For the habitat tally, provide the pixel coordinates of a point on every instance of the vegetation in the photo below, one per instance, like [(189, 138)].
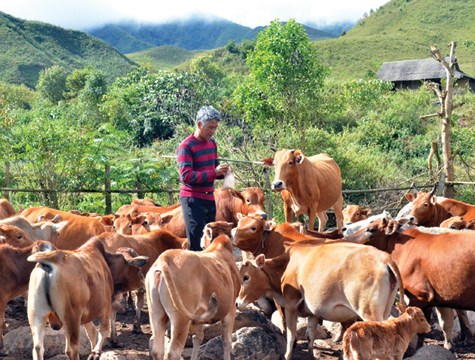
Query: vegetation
[(277, 91)]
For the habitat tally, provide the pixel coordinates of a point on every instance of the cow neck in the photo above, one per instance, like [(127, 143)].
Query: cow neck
[(274, 269), (260, 248)]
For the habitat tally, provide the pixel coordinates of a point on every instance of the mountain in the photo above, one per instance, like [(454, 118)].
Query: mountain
[(402, 30), (28, 47), (192, 34), (163, 57)]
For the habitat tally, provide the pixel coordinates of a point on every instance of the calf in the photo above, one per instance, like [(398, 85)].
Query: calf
[(44, 230), (354, 213), (77, 286), (15, 273), (180, 284), (386, 339)]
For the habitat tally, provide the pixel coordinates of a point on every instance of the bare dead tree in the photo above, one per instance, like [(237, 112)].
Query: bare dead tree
[(446, 108)]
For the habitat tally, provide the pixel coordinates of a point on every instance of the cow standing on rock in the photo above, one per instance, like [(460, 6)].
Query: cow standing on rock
[(313, 184)]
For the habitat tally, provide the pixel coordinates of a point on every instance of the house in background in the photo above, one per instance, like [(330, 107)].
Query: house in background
[(410, 74)]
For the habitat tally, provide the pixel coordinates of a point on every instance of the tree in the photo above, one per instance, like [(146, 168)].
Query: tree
[(285, 80), (52, 84), (446, 109)]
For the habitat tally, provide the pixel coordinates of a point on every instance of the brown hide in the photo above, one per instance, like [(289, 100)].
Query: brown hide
[(427, 211), (421, 256), (459, 208), (75, 233), (14, 236), (6, 209), (44, 230), (354, 213)]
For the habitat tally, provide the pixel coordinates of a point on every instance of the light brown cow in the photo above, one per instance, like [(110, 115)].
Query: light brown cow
[(144, 202), (353, 282), (314, 184), (6, 209), (44, 230), (387, 339), (186, 288), (420, 256), (213, 229), (15, 273), (151, 244), (77, 286), (354, 213), (14, 236), (77, 230), (458, 223)]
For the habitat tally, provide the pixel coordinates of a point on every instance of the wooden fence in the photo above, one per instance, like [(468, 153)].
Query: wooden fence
[(107, 191)]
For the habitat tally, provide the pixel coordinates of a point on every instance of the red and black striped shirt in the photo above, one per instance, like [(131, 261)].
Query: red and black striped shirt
[(197, 161)]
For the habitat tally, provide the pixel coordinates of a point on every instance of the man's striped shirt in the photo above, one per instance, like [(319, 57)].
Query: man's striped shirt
[(197, 161)]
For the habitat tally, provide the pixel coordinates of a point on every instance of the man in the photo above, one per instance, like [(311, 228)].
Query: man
[(199, 167)]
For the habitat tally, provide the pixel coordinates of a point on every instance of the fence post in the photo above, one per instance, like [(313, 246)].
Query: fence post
[(108, 195), (6, 194), (270, 210), (171, 199)]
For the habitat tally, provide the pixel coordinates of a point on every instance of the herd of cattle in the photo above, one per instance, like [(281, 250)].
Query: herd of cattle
[(76, 267)]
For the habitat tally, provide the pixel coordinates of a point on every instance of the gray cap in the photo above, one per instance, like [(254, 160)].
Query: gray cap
[(207, 113)]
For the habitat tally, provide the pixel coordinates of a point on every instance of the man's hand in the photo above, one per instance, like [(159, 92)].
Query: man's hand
[(221, 170)]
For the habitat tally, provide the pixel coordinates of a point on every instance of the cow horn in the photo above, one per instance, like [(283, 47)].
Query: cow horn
[(273, 149), (433, 190)]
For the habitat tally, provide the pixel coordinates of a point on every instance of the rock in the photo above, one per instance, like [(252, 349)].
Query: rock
[(322, 333), (432, 352), (20, 342)]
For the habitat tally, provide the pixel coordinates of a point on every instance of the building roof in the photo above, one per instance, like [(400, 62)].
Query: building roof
[(420, 69)]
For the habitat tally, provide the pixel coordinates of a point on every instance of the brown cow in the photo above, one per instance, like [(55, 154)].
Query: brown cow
[(78, 287), (458, 223), (420, 256), (354, 213), (151, 244), (14, 236), (180, 284), (77, 230), (15, 273), (314, 184), (6, 209), (387, 339), (353, 281), (44, 230), (144, 202), (213, 229)]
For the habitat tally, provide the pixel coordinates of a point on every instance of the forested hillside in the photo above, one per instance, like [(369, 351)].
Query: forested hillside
[(28, 47), (402, 30), (191, 34)]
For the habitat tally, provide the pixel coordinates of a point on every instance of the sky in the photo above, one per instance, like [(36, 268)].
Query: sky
[(84, 14)]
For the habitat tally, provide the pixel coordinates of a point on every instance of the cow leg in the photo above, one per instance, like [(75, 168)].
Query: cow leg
[(91, 333), (3, 308), (338, 207), (322, 221), (38, 329), (312, 325), (466, 334), (228, 325), (104, 330), (139, 303), (446, 321), (72, 337), (197, 340), (157, 315), (179, 329), (292, 299)]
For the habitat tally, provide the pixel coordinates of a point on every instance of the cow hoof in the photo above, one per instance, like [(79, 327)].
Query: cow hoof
[(94, 356)]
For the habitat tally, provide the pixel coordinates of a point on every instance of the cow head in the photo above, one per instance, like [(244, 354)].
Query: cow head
[(354, 213), (213, 229), (376, 231), (424, 208), (285, 163), (254, 282), (254, 200), (249, 233), (14, 236)]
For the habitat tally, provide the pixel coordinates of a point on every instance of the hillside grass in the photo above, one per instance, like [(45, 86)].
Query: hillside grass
[(163, 57)]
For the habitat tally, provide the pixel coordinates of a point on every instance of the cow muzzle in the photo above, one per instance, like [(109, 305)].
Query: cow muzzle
[(278, 185)]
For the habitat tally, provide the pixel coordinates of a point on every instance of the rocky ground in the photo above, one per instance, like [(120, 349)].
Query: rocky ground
[(135, 346)]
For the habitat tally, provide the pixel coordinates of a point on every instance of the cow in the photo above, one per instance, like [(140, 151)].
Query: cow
[(137, 209), (77, 286), (387, 339), (14, 236), (186, 288), (144, 202), (213, 229), (420, 255), (6, 209), (15, 273), (458, 223), (76, 231), (337, 281), (151, 245), (44, 230), (314, 185), (354, 213), (349, 229)]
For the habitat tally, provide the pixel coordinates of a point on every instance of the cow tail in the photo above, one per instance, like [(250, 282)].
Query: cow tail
[(347, 339), (53, 318), (395, 270), (178, 304)]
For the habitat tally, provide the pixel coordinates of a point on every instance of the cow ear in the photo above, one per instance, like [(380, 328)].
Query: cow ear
[(409, 197), (138, 261), (269, 225), (367, 211), (298, 156), (166, 218), (433, 199), (260, 260), (239, 216), (2, 240), (268, 161)]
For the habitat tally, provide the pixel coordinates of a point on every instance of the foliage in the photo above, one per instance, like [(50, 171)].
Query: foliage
[(285, 79), (52, 84)]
